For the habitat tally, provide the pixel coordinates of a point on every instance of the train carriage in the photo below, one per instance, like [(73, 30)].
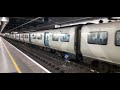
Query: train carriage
[(37, 38), (62, 39), (101, 42), (13, 36), (26, 37)]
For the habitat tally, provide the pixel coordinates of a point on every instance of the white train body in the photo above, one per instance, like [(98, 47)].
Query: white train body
[(13, 36), (54, 39), (37, 38), (110, 52), (62, 39), (21, 37), (96, 41)]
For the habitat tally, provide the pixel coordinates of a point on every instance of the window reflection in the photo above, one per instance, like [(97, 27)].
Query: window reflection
[(97, 38), (65, 37)]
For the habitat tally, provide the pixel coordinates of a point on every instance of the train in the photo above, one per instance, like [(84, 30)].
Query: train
[(96, 44)]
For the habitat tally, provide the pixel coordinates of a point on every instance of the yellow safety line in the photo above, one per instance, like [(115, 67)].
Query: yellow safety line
[(16, 66)]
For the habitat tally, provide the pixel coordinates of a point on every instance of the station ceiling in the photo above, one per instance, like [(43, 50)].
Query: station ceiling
[(39, 24)]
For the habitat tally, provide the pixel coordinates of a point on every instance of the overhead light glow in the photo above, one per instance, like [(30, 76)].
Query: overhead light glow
[(5, 19)]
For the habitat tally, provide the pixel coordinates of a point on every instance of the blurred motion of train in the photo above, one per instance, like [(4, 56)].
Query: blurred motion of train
[(97, 44)]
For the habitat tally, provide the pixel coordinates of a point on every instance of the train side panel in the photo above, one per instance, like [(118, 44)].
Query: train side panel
[(63, 39), (60, 39), (37, 38), (98, 42)]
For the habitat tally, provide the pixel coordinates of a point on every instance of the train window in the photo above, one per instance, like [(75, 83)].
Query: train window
[(55, 37), (65, 37), (117, 38), (34, 36), (99, 37), (39, 36)]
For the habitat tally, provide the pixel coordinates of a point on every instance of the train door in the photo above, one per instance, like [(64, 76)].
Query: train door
[(46, 38), (30, 37)]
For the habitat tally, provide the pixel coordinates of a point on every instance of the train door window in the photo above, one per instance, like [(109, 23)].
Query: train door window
[(65, 37), (117, 38), (39, 36), (99, 37), (55, 37)]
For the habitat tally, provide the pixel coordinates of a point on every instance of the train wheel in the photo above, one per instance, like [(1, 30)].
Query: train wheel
[(104, 67)]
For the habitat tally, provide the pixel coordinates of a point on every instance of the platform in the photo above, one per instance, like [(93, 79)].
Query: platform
[(13, 60)]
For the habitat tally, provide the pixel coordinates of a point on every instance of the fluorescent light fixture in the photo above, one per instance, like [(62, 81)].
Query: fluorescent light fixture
[(5, 21)]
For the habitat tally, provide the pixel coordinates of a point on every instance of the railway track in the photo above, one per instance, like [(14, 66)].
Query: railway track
[(51, 61)]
